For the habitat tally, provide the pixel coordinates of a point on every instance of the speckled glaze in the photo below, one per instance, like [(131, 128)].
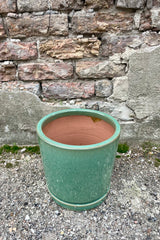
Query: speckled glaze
[(78, 177)]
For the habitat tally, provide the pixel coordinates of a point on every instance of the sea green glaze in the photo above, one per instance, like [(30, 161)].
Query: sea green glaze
[(78, 177)]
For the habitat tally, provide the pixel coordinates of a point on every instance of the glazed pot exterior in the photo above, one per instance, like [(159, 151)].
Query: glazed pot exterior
[(78, 177)]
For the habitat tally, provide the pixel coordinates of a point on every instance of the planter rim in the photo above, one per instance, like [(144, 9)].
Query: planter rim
[(78, 111)]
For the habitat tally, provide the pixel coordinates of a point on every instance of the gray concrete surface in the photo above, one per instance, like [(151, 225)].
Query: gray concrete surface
[(131, 210)]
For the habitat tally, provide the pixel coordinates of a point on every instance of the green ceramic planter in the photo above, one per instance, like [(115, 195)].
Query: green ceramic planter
[(78, 176)]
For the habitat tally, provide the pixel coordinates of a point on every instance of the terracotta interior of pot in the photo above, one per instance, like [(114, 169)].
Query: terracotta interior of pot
[(78, 130)]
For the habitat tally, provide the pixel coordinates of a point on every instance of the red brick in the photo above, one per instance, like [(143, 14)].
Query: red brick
[(16, 50), (42, 71), (26, 25), (84, 22), (7, 72), (68, 90), (7, 6)]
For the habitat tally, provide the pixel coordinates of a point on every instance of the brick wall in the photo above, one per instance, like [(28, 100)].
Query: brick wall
[(75, 53)]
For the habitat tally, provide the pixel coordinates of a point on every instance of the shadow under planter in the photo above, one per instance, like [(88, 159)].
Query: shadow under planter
[(78, 148)]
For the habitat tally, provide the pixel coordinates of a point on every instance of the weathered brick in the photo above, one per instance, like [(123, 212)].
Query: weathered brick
[(135, 4), (26, 25), (155, 18), (42, 71), (96, 4), (145, 21), (114, 43), (99, 69), (71, 48), (65, 4), (16, 50), (7, 6), (120, 88), (103, 88), (149, 4), (32, 5), (151, 38), (7, 71), (32, 87), (58, 24), (86, 22), (68, 90), (155, 3), (2, 31)]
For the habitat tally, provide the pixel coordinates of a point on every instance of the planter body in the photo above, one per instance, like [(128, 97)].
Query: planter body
[(78, 177)]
